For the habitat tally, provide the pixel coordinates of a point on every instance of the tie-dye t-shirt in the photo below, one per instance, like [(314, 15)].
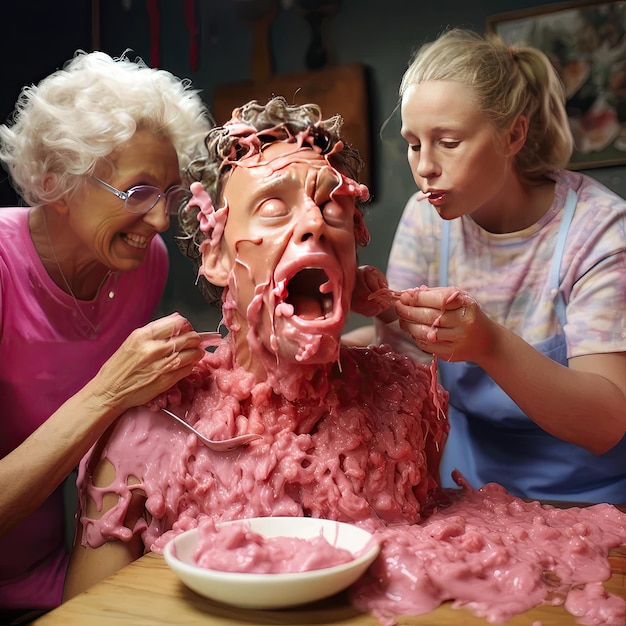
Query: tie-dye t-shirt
[(508, 273)]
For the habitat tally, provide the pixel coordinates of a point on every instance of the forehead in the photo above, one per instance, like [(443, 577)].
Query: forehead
[(145, 155), (440, 101), (270, 166), (430, 92)]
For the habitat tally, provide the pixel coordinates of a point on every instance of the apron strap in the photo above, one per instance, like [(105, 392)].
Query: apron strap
[(444, 253), (554, 279)]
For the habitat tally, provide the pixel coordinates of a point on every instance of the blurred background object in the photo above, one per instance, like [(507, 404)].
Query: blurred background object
[(317, 14)]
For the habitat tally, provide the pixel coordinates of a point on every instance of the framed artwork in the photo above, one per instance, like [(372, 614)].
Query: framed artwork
[(586, 42)]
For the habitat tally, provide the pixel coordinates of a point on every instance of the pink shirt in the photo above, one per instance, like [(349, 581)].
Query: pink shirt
[(48, 351)]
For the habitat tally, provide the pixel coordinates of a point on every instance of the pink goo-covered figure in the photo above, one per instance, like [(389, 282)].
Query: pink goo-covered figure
[(351, 434)]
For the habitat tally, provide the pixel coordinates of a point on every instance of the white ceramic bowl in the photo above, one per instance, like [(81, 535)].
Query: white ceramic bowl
[(271, 591)]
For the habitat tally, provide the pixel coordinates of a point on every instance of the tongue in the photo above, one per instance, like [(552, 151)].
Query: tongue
[(306, 308)]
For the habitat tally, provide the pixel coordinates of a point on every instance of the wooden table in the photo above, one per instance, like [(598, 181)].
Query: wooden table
[(148, 593)]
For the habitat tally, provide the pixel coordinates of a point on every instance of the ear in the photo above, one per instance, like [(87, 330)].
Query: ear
[(60, 205), (516, 136), (216, 265)]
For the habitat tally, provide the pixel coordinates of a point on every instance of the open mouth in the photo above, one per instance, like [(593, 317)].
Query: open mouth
[(305, 292)]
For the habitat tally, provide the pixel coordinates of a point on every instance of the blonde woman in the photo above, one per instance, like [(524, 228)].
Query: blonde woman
[(525, 268)]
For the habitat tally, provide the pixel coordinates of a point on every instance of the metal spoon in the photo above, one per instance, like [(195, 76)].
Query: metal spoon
[(210, 339), (223, 445)]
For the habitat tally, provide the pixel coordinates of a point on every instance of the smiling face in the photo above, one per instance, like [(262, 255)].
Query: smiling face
[(107, 232), (287, 255)]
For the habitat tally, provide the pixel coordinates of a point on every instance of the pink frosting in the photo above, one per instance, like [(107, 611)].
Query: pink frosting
[(236, 548), (212, 221), (359, 446), (497, 556)]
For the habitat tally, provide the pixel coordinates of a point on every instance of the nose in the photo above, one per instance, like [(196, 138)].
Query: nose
[(157, 216), (426, 165), (312, 224)]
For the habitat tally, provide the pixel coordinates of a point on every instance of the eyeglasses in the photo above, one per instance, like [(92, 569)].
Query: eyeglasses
[(143, 198)]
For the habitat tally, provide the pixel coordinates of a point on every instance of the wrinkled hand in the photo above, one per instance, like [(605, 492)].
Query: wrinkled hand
[(150, 361), (369, 280), (446, 322)]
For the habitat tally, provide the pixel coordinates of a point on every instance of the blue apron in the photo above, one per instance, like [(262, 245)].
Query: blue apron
[(492, 440)]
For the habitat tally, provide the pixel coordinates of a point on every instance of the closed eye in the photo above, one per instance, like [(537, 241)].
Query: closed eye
[(339, 211), (273, 208)]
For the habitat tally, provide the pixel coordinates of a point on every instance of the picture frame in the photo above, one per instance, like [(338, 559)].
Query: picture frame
[(586, 42)]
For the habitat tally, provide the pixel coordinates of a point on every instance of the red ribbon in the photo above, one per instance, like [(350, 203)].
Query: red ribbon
[(155, 28), (192, 27)]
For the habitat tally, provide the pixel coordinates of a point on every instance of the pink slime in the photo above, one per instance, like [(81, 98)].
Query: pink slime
[(358, 440)]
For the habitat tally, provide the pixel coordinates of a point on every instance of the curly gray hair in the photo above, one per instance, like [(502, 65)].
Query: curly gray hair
[(81, 113)]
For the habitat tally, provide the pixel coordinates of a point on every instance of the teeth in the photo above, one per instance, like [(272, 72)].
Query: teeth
[(136, 240), (327, 306)]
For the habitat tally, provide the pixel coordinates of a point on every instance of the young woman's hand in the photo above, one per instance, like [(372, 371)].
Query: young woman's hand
[(446, 322)]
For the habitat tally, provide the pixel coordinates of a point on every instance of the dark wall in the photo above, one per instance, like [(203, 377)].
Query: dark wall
[(37, 37), (379, 35)]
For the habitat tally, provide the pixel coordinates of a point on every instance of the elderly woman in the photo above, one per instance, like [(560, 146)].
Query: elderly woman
[(96, 151)]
